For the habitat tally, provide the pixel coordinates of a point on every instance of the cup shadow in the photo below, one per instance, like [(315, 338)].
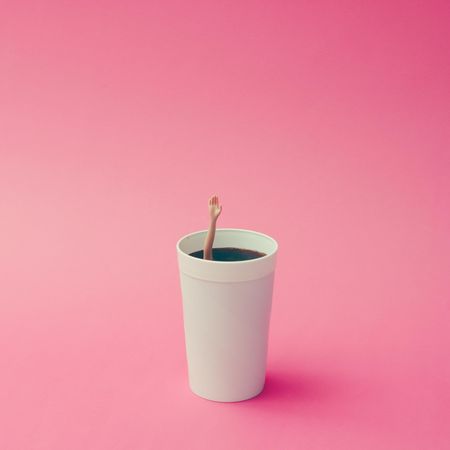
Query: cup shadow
[(289, 390)]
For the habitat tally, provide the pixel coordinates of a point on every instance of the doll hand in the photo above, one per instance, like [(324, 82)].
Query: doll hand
[(214, 208)]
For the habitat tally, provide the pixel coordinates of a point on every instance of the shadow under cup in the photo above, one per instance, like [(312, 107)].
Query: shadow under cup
[(226, 312)]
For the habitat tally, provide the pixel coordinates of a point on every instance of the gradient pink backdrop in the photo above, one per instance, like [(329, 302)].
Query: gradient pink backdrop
[(324, 124)]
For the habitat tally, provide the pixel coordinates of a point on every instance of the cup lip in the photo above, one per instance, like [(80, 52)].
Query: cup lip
[(247, 261)]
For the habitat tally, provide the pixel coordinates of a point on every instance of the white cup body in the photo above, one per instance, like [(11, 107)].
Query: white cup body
[(226, 311)]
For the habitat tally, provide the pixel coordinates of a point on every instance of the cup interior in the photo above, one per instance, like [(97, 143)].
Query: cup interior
[(229, 237)]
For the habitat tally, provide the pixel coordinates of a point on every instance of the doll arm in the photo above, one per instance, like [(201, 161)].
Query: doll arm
[(214, 212)]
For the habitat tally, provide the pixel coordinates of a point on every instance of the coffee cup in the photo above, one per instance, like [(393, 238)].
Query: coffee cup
[(226, 312)]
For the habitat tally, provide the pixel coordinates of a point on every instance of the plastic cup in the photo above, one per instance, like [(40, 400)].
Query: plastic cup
[(226, 312)]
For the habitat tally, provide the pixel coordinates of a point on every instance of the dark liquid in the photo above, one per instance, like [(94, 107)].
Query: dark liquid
[(230, 254)]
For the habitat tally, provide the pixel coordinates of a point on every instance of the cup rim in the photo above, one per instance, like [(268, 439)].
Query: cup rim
[(247, 261)]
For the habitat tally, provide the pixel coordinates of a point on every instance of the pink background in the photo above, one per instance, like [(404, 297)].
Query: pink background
[(324, 124)]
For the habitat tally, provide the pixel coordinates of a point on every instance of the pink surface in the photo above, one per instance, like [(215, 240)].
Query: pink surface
[(323, 124)]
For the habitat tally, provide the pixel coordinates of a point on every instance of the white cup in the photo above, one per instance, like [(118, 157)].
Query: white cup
[(226, 310)]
